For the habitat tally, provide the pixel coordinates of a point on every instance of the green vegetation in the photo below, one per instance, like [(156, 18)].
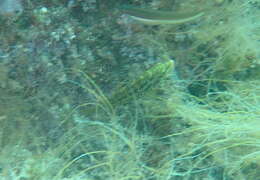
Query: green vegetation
[(66, 115)]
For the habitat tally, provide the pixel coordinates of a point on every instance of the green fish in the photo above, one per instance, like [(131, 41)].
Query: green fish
[(142, 84), (130, 91)]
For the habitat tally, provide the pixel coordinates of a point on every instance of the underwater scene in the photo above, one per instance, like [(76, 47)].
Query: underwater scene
[(130, 90)]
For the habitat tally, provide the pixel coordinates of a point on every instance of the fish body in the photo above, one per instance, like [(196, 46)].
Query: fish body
[(138, 87), (157, 17)]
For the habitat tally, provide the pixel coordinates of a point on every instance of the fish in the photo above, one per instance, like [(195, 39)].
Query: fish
[(128, 92), (146, 81), (158, 17)]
